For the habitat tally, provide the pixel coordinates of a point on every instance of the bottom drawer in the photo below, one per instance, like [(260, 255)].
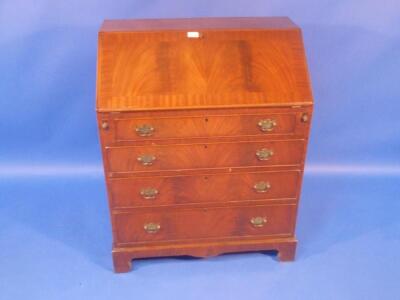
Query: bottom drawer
[(217, 222)]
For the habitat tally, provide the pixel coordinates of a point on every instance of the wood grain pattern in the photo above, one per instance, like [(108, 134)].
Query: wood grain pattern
[(195, 224), (208, 126), (224, 68), (203, 125), (201, 156), (206, 188), (204, 98)]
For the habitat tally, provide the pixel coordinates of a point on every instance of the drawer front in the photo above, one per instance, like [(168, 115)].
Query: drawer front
[(171, 190), (178, 157), (204, 126), (181, 224)]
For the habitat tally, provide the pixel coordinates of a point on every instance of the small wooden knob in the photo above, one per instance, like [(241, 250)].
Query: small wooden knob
[(304, 118), (105, 125)]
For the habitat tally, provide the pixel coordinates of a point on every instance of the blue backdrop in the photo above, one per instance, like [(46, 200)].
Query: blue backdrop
[(55, 234)]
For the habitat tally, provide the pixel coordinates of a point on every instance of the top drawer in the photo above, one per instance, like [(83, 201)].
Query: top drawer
[(133, 129)]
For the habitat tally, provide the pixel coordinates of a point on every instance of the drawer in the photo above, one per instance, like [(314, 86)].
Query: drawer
[(212, 155), (183, 224), (176, 190), (132, 129)]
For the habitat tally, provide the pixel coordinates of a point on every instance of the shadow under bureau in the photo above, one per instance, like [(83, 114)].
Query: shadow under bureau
[(204, 126)]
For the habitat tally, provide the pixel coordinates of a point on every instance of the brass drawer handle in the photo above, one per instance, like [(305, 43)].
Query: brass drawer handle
[(145, 130), (149, 193), (267, 125), (258, 221), (262, 186), (264, 154), (152, 227), (146, 159)]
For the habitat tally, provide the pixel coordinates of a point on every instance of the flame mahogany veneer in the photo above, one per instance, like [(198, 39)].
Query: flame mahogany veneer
[(204, 126)]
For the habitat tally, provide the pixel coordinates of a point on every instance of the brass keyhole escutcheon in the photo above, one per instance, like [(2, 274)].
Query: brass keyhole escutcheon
[(258, 221), (264, 154), (262, 186), (266, 125), (304, 118), (146, 159), (145, 130), (149, 193), (152, 227)]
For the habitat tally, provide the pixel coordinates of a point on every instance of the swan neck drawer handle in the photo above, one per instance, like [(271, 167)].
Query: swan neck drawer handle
[(258, 221), (266, 125), (152, 227), (262, 186), (264, 154), (144, 130), (149, 193), (146, 159)]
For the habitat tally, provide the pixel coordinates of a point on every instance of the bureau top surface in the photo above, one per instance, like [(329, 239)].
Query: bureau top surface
[(252, 23), (159, 64)]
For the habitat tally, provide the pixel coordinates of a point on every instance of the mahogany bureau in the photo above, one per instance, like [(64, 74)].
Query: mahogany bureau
[(204, 125)]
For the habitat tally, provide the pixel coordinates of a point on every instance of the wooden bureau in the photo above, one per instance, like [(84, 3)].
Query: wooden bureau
[(204, 126)]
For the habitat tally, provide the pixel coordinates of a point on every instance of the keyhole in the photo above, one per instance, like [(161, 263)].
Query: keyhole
[(206, 119), (205, 146)]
